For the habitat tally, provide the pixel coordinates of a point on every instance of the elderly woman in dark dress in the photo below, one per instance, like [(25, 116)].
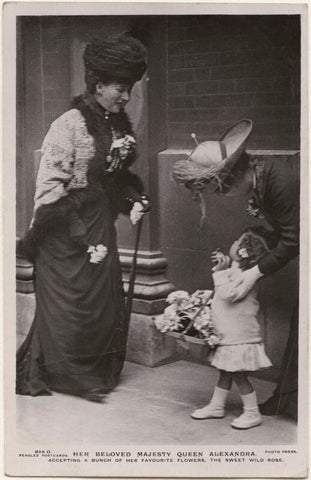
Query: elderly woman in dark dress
[(273, 186), (77, 342)]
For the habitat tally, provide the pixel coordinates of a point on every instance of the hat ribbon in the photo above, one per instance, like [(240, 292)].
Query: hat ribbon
[(223, 150)]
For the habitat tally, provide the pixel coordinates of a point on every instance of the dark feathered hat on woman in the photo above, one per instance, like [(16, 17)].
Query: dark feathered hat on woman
[(117, 59)]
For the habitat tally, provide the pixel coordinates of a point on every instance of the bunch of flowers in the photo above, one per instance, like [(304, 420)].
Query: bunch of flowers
[(119, 150), (190, 315), (253, 208), (97, 253), (122, 146)]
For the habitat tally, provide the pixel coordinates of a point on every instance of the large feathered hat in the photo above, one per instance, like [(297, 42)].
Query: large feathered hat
[(121, 59), (211, 161)]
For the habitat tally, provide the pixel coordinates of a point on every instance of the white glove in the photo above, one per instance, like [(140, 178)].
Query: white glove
[(136, 213), (246, 280)]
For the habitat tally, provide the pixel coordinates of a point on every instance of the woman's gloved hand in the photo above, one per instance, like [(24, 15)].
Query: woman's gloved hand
[(77, 229), (139, 208), (247, 280), (145, 201)]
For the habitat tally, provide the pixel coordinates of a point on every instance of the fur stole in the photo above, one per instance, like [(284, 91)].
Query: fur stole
[(121, 187)]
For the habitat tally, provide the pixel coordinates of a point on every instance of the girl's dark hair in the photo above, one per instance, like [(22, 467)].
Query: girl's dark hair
[(256, 243)]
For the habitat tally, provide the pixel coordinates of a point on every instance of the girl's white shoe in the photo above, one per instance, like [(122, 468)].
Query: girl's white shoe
[(210, 411), (215, 408), (249, 419)]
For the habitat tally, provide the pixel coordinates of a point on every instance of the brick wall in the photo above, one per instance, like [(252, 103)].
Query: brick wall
[(223, 68)]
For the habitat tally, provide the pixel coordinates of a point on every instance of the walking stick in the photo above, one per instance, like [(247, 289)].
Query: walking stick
[(133, 272)]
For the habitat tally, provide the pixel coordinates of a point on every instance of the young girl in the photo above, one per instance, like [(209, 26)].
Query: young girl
[(235, 318)]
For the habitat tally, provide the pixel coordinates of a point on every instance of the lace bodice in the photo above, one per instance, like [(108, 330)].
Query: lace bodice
[(65, 151)]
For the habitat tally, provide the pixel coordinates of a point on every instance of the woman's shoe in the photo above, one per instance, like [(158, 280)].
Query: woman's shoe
[(95, 395), (272, 406)]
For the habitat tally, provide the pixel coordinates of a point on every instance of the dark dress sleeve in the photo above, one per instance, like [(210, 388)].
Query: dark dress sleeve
[(281, 208)]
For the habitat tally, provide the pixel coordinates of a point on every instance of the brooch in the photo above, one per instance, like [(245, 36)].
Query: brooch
[(254, 209), (119, 151)]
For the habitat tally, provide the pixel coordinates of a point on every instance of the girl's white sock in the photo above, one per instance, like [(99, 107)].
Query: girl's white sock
[(250, 401), (251, 416), (219, 397), (215, 408)]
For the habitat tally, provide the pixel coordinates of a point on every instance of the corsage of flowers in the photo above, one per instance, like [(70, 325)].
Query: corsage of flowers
[(98, 253), (119, 150), (253, 208), (190, 315)]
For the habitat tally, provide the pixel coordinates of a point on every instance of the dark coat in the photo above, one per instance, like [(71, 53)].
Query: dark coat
[(279, 202)]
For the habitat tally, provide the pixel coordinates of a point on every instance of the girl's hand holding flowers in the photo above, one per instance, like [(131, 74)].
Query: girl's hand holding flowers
[(222, 261)]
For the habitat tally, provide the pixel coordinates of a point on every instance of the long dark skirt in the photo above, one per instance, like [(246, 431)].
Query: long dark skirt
[(77, 341)]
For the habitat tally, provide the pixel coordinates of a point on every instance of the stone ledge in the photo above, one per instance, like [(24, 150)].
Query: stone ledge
[(187, 152), (146, 345)]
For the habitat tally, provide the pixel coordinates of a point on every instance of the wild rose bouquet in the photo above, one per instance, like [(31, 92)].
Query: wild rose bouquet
[(119, 151), (190, 315), (97, 253), (123, 145)]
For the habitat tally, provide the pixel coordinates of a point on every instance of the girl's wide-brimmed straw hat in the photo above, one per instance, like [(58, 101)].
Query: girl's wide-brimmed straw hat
[(211, 161)]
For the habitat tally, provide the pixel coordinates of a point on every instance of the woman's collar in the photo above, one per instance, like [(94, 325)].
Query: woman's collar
[(91, 101)]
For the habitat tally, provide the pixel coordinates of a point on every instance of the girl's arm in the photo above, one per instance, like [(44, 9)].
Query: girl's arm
[(226, 288)]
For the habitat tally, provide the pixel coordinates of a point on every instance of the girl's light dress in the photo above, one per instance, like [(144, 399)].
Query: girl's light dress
[(241, 347)]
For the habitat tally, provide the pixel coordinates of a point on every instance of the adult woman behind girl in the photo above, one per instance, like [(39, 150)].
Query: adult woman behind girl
[(273, 186), (77, 342)]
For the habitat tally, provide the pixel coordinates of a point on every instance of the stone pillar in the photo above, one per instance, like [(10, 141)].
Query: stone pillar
[(148, 111)]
